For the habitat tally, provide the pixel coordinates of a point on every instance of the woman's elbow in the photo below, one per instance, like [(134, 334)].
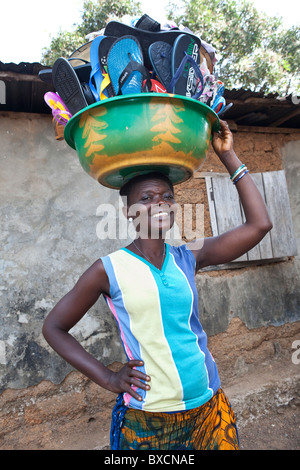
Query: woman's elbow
[(265, 227), (46, 329), (268, 225), (260, 229), (49, 329)]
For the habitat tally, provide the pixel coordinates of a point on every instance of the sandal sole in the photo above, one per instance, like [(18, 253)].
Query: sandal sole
[(68, 86), (121, 52)]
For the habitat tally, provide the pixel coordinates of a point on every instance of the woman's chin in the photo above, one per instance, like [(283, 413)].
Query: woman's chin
[(160, 225)]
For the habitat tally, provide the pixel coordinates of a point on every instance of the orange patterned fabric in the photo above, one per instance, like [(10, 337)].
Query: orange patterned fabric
[(209, 427)]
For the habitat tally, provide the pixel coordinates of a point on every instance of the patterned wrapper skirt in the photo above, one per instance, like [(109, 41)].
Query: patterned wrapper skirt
[(209, 427)]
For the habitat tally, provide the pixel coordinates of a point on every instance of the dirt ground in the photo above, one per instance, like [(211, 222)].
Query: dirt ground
[(266, 402), (279, 430)]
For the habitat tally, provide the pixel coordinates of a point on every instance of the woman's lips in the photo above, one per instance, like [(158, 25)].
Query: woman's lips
[(160, 214)]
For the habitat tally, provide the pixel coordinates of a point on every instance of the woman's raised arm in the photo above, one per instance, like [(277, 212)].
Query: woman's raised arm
[(232, 244)]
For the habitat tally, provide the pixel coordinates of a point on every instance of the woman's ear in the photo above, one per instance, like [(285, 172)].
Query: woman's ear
[(125, 211)]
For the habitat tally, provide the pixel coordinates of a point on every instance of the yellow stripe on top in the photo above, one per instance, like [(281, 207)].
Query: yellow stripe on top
[(141, 300)]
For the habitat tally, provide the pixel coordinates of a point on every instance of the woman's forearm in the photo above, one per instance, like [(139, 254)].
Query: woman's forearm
[(118, 382), (72, 351)]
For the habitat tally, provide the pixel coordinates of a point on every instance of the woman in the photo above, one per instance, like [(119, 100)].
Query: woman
[(169, 391)]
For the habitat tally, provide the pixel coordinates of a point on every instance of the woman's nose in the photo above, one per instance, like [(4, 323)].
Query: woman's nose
[(159, 199)]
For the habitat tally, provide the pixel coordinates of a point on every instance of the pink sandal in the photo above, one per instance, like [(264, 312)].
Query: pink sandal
[(59, 110)]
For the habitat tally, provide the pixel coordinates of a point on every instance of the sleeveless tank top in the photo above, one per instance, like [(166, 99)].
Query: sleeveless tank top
[(158, 319)]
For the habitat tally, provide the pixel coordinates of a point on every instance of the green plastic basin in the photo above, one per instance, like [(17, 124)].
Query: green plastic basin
[(124, 136)]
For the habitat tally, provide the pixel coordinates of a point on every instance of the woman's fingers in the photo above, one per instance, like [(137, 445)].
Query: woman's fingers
[(138, 383), (132, 391), (137, 373), (136, 378), (135, 363)]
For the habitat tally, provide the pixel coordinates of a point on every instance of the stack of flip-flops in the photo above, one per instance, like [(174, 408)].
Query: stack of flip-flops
[(130, 59)]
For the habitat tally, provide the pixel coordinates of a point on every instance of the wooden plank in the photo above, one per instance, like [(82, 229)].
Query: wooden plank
[(211, 205), (227, 206), (261, 102), (265, 246), (19, 77), (277, 199), (267, 130), (226, 212), (264, 249), (243, 264), (285, 118)]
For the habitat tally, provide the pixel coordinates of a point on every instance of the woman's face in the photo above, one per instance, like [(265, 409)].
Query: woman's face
[(152, 206)]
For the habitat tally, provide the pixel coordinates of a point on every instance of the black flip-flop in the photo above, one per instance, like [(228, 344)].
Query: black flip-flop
[(68, 85), (145, 38), (186, 68), (83, 71), (103, 50), (90, 99), (80, 54), (147, 23)]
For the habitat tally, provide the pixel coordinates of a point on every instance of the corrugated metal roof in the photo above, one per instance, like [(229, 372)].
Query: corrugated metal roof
[(22, 90), (256, 109)]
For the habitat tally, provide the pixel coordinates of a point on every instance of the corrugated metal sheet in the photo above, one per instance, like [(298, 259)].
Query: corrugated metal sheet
[(256, 109), (22, 90)]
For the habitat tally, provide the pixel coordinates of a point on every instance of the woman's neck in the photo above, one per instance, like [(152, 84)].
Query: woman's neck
[(153, 250)]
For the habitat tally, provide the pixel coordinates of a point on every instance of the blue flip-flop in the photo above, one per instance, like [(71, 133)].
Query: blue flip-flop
[(218, 104), (186, 67), (125, 66), (96, 76), (160, 54), (218, 92)]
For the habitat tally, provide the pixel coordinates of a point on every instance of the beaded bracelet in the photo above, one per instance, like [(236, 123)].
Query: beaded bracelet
[(243, 174), (237, 171)]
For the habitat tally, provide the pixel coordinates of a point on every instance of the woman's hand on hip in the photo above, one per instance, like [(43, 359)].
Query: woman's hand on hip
[(127, 378)]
